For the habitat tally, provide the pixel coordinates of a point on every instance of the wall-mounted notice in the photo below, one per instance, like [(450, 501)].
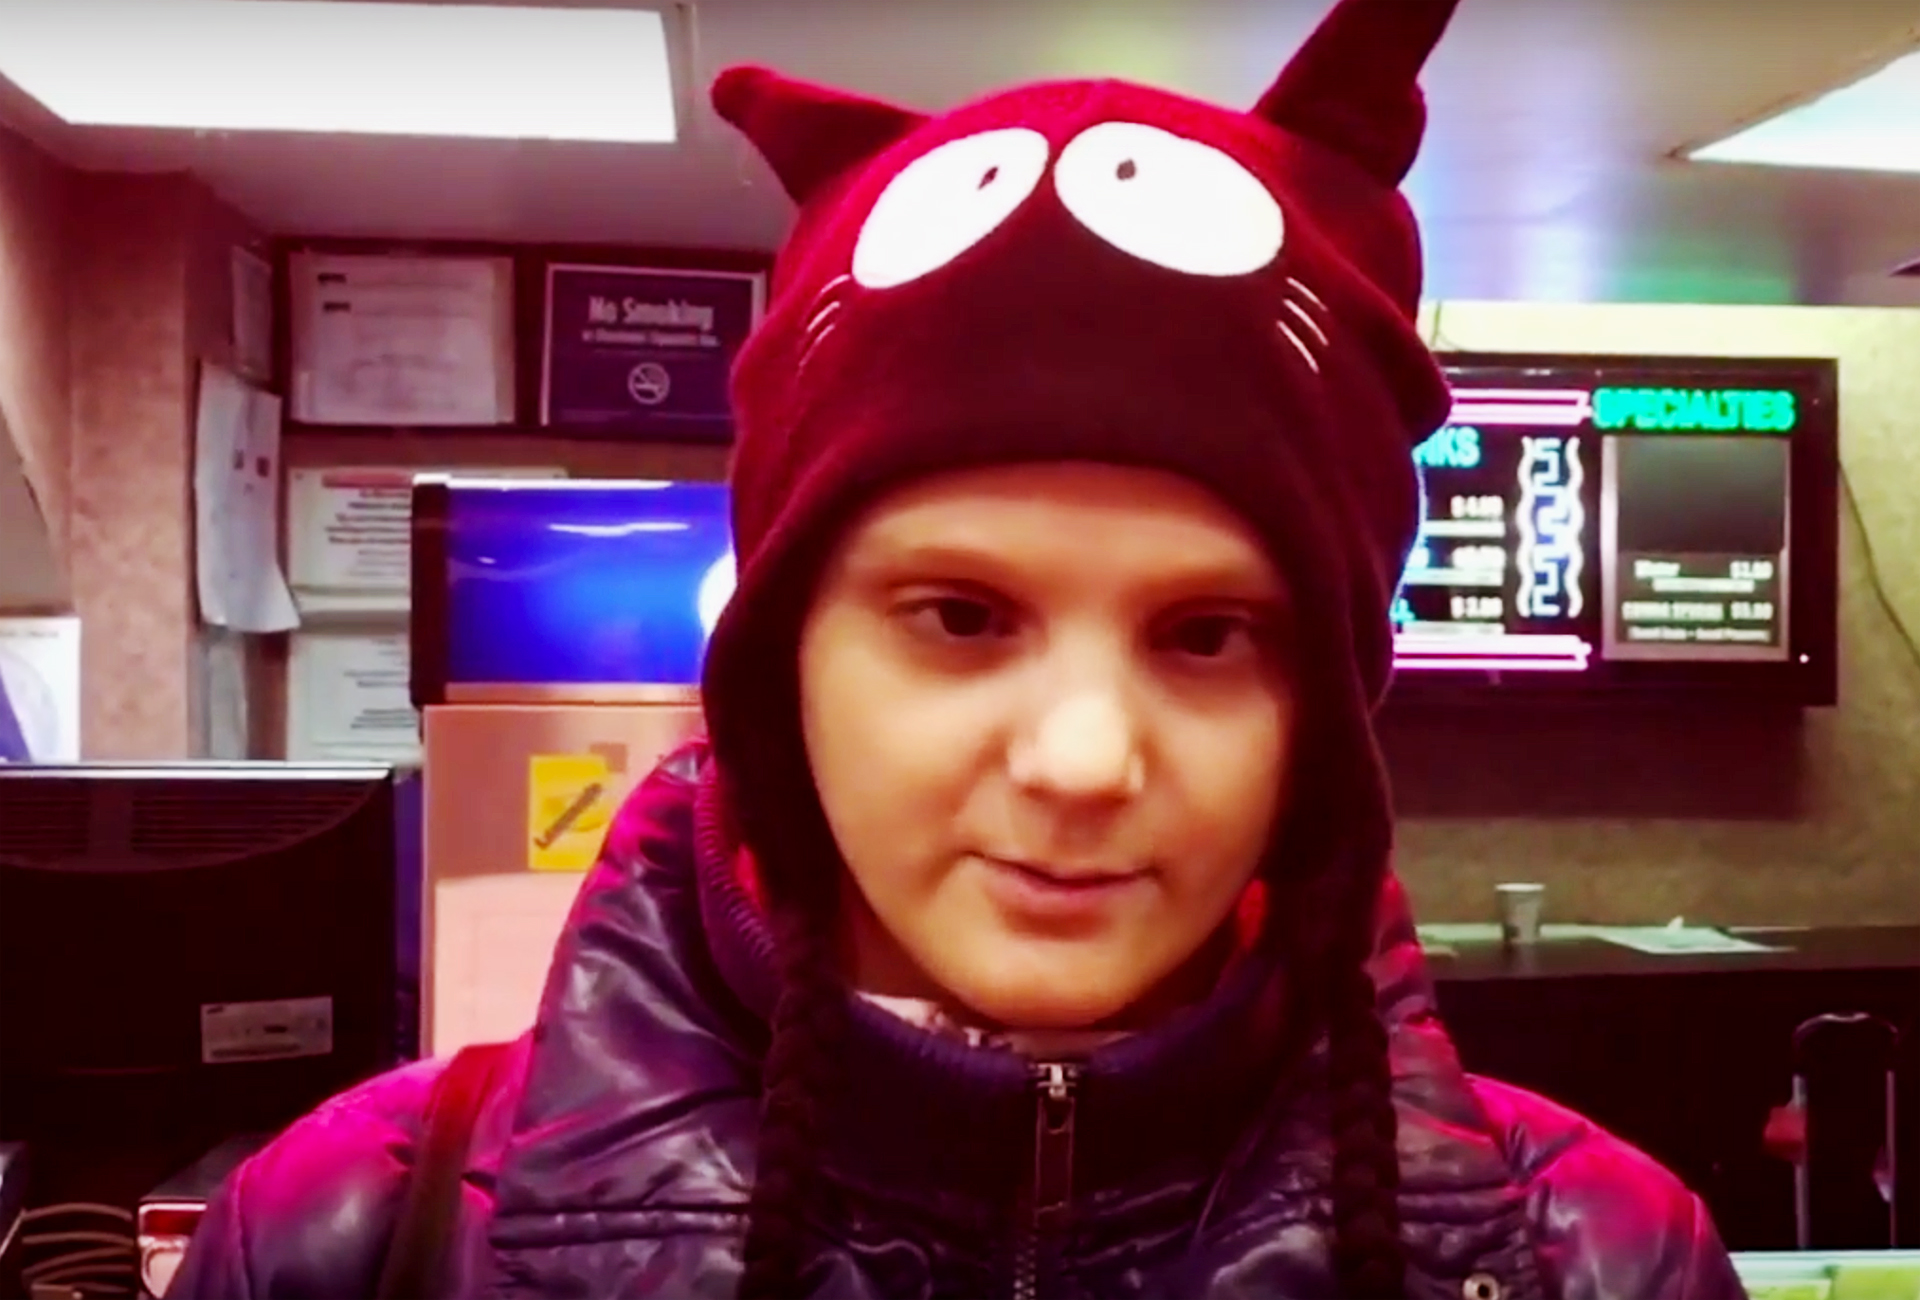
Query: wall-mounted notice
[(347, 699), (349, 530), (350, 534), (236, 490), (644, 350), (402, 341)]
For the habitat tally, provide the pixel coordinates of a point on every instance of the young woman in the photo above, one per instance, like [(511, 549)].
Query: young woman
[(1026, 926)]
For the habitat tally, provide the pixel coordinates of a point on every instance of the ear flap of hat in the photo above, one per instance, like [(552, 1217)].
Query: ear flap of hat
[(809, 134), (1354, 86)]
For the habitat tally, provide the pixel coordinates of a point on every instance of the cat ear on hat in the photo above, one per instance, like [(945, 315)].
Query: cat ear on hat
[(808, 134), (1354, 86)]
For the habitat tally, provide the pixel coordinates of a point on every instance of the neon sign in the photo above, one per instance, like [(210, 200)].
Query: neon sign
[(1453, 447), (1551, 520), (1695, 410)]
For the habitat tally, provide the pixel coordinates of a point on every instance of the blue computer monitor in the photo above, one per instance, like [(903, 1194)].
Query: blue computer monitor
[(524, 586)]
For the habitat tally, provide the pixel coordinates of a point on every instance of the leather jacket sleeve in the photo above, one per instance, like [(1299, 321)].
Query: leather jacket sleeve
[(1609, 1222), (309, 1217)]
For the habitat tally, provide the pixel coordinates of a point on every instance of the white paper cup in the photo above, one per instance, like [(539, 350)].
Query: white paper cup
[(1520, 907)]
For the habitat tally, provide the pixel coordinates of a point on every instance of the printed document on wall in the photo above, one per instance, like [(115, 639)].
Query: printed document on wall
[(348, 698), (236, 481), (402, 341)]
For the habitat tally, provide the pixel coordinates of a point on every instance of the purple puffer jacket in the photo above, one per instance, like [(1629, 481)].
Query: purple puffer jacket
[(615, 1159)]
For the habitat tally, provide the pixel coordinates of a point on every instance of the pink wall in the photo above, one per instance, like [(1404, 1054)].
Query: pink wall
[(132, 463), (111, 289)]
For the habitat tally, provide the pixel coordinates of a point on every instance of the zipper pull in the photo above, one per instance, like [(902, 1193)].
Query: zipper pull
[(1056, 1083)]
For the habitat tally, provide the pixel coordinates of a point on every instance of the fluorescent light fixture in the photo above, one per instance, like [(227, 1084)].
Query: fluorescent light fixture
[(475, 70), (1871, 125)]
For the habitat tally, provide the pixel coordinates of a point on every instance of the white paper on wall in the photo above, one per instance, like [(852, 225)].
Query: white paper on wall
[(350, 530), (348, 698), (236, 482)]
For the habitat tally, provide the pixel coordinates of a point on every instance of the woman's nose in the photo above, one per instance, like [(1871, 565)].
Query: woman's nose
[(1082, 746)]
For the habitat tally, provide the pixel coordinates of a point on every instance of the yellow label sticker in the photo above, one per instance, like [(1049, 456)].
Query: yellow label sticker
[(568, 808)]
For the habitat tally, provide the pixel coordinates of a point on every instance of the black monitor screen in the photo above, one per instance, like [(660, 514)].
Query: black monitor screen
[(186, 953)]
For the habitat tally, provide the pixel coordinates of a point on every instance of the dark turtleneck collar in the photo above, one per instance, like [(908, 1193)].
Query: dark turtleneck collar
[(927, 1117)]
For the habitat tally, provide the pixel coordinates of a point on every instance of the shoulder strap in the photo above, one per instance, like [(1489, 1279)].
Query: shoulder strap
[(416, 1264)]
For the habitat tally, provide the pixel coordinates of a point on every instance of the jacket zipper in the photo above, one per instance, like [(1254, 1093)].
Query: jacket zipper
[(1055, 1100)]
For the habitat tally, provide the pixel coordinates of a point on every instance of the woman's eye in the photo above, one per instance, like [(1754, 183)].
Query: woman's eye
[(1210, 636), (956, 618)]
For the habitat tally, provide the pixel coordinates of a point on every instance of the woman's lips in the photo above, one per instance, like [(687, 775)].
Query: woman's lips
[(1071, 877), (1056, 893)]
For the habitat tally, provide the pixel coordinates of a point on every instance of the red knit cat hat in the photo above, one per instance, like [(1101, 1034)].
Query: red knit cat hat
[(1094, 271)]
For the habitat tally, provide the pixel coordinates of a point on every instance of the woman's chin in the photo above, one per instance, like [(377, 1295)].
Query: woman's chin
[(1046, 1006)]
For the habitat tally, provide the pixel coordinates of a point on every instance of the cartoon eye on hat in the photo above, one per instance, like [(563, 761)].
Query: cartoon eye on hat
[(945, 202), (1168, 200), (1157, 196)]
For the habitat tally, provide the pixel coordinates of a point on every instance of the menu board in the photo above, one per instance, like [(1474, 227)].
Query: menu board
[(1627, 522)]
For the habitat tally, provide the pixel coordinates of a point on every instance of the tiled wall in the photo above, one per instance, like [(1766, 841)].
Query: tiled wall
[(1730, 820), (132, 457), (108, 296)]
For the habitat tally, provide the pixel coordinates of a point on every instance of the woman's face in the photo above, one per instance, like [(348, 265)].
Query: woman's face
[(1047, 720)]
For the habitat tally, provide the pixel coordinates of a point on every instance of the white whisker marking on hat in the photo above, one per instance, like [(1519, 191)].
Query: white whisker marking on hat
[(1307, 320), (824, 315), (826, 299), (813, 346), (1312, 297), (1299, 343)]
